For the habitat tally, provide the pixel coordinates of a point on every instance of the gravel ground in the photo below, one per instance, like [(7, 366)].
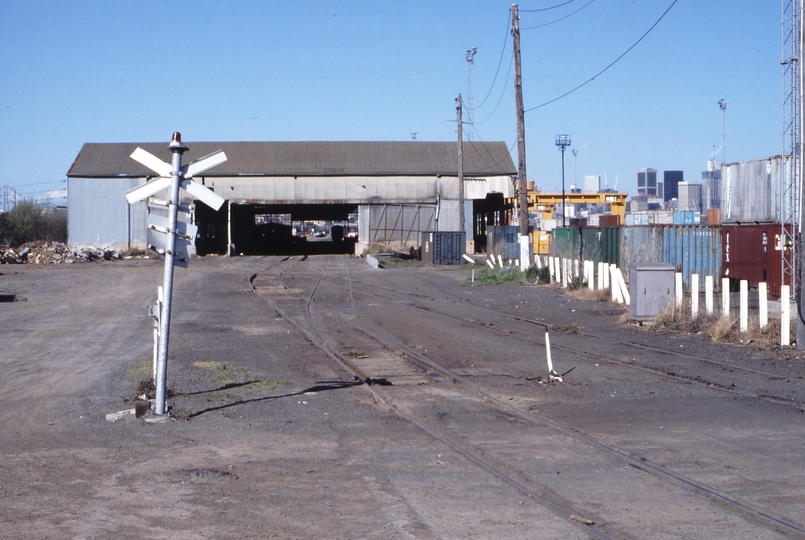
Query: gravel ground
[(262, 442)]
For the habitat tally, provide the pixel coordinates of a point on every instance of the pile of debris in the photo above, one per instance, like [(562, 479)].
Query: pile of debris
[(54, 253)]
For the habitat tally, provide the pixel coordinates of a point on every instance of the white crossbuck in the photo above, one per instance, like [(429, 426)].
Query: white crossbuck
[(163, 181)]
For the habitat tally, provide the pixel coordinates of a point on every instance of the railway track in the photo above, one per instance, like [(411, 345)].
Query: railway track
[(307, 316), (690, 372)]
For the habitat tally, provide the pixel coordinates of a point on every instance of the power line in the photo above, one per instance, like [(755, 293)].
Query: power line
[(45, 183), (500, 99), (497, 71), (561, 18), (591, 79), (545, 9)]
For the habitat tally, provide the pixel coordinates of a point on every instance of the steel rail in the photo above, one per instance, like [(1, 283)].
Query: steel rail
[(657, 371), (638, 463), (324, 345)]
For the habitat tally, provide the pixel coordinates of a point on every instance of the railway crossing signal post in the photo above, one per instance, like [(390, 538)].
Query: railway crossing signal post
[(172, 177)]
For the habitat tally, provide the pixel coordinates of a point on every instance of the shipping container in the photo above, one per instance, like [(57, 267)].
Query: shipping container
[(755, 253), (690, 248), (600, 244), (750, 191), (503, 240), (687, 217), (565, 243), (609, 220), (440, 247), (714, 216), (664, 217)]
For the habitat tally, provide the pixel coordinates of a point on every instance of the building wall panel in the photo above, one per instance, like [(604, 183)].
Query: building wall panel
[(99, 214)]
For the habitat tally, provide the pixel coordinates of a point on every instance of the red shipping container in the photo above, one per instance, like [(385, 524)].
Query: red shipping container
[(609, 220), (754, 253)]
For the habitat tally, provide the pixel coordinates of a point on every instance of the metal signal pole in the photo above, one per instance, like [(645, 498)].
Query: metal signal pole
[(177, 148)]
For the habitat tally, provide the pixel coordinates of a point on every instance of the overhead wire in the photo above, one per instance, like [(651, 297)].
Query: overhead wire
[(559, 19), (497, 71), (547, 8), (591, 79)]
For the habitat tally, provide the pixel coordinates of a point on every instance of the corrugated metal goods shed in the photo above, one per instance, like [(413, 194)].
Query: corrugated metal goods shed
[(407, 187)]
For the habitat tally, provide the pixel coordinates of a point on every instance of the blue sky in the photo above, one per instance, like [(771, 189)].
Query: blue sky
[(126, 71)]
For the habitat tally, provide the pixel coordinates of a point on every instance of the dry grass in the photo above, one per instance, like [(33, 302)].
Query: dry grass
[(720, 329), (583, 293)]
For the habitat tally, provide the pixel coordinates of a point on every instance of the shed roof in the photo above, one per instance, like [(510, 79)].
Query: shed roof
[(411, 158)]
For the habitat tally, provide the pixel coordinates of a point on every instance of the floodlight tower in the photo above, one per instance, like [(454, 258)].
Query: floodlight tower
[(470, 56), (563, 141)]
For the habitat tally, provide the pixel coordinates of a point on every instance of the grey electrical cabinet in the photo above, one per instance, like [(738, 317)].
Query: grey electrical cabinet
[(651, 286)]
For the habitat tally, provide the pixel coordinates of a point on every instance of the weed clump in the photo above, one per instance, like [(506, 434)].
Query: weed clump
[(718, 328)]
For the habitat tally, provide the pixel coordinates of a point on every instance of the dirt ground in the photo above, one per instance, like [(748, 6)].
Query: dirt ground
[(268, 440)]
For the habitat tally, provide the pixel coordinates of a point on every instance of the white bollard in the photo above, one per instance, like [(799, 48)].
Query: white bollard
[(627, 298), (600, 276), (491, 264), (708, 294), (678, 288), (565, 272), (694, 295), (725, 297), (548, 352), (557, 263), (607, 274), (591, 275), (744, 305), (500, 261), (575, 268), (785, 315), (617, 295), (763, 304)]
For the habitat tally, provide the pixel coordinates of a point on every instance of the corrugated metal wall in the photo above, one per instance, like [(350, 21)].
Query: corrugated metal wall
[(398, 225), (99, 215), (750, 191), (690, 248)]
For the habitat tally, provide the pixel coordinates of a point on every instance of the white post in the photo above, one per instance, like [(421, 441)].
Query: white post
[(156, 334), (525, 248), (694, 295), (763, 304), (600, 276), (744, 305), (548, 352), (591, 275), (678, 288), (607, 273), (785, 316), (708, 294), (617, 297), (627, 298), (725, 297), (565, 269), (575, 268), (557, 262), (500, 261)]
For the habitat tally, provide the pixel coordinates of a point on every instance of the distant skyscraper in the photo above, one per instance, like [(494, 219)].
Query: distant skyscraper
[(592, 183), (647, 182), (711, 187), (670, 181), (690, 196)]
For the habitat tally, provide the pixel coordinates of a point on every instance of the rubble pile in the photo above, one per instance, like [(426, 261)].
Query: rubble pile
[(54, 253)]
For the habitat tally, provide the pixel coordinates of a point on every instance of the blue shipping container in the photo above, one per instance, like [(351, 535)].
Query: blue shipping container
[(692, 249)]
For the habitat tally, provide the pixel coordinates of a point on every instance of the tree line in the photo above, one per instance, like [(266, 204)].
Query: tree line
[(30, 221)]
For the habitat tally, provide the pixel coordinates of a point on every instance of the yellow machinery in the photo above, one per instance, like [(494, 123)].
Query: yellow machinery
[(545, 202)]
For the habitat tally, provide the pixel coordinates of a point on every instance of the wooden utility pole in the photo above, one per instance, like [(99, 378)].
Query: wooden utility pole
[(462, 227), (518, 98)]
